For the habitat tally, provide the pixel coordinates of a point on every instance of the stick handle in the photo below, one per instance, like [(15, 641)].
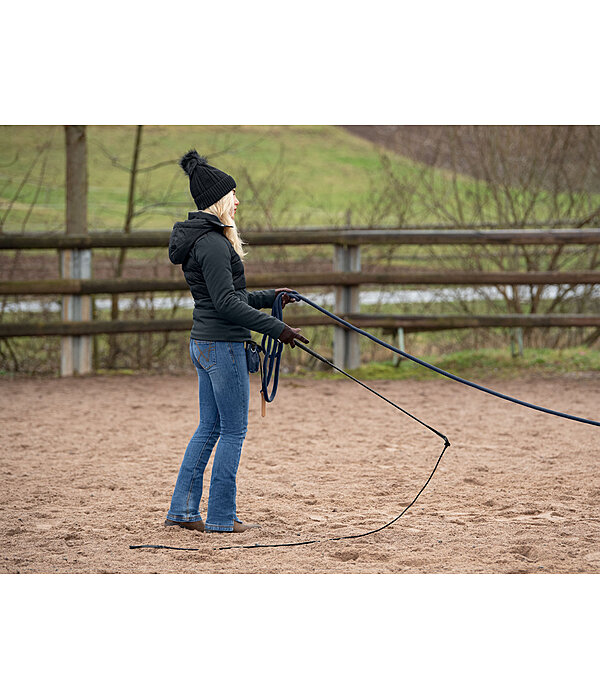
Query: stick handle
[(263, 405)]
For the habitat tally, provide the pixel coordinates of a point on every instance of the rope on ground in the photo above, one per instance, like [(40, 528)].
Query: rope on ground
[(270, 364)]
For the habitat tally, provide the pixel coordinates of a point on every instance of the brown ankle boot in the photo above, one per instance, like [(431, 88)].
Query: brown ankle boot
[(197, 525)]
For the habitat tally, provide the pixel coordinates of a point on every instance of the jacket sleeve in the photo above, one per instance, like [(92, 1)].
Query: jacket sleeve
[(215, 260), (263, 299)]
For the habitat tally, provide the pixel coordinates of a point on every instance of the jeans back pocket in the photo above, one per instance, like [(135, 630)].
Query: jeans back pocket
[(203, 353)]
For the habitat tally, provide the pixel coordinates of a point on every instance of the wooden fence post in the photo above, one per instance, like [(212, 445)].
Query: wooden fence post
[(516, 334), (76, 351), (346, 349), (398, 358)]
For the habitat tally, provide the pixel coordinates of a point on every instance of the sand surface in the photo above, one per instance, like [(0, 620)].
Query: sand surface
[(88, 466)]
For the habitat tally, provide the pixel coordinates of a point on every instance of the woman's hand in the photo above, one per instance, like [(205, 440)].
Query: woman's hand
[(286, 298), (288, 335)]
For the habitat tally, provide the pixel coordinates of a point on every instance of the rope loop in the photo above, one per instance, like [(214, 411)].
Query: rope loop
[(272, 349)]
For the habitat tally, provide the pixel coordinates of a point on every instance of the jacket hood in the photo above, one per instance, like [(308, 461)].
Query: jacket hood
[(186, 233)]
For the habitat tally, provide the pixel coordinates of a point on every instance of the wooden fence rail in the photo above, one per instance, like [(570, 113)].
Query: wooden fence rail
[(409, 323), (269, 280), (308, 236), (346, 278)]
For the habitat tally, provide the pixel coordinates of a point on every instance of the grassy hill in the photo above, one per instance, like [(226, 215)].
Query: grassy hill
[(287, 175), (307, 174)]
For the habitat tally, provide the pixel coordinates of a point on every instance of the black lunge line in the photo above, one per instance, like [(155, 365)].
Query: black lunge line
[(270, 369), (437, 369), (310, 351)]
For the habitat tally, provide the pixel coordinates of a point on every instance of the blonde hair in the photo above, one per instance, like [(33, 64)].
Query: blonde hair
[(223, 210)]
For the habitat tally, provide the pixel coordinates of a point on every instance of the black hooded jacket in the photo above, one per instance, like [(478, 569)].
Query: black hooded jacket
[(223, 309)]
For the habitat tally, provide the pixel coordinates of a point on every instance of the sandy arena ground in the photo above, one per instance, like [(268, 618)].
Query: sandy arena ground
[(88, 466)]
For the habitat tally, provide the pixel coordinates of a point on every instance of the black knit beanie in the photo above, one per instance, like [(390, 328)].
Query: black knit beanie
[(207, 183)]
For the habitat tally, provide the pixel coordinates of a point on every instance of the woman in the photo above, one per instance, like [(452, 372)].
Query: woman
[(209, 249)]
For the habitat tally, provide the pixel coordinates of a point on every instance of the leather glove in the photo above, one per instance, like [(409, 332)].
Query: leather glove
[(286, 298), (288, 335)]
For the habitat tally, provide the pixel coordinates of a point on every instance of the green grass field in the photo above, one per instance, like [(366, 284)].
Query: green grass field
[(287, 175), (319, 172)]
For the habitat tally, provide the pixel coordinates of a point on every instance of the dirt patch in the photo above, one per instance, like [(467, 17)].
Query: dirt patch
[(88, 467)]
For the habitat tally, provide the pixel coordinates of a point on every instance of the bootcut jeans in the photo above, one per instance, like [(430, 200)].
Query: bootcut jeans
[(224, 390)]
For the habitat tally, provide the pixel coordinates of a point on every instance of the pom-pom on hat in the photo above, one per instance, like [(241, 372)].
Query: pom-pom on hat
[(207, 183)]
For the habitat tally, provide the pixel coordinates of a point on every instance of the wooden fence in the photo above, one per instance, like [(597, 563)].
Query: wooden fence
[(76, 287)]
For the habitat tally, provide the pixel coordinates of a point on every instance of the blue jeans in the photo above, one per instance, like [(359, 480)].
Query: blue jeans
[(224, 390)]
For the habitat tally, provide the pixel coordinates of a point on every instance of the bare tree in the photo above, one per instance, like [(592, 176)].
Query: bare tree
[(265, 205), (40, 158), (133, 173), (513, 177)]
